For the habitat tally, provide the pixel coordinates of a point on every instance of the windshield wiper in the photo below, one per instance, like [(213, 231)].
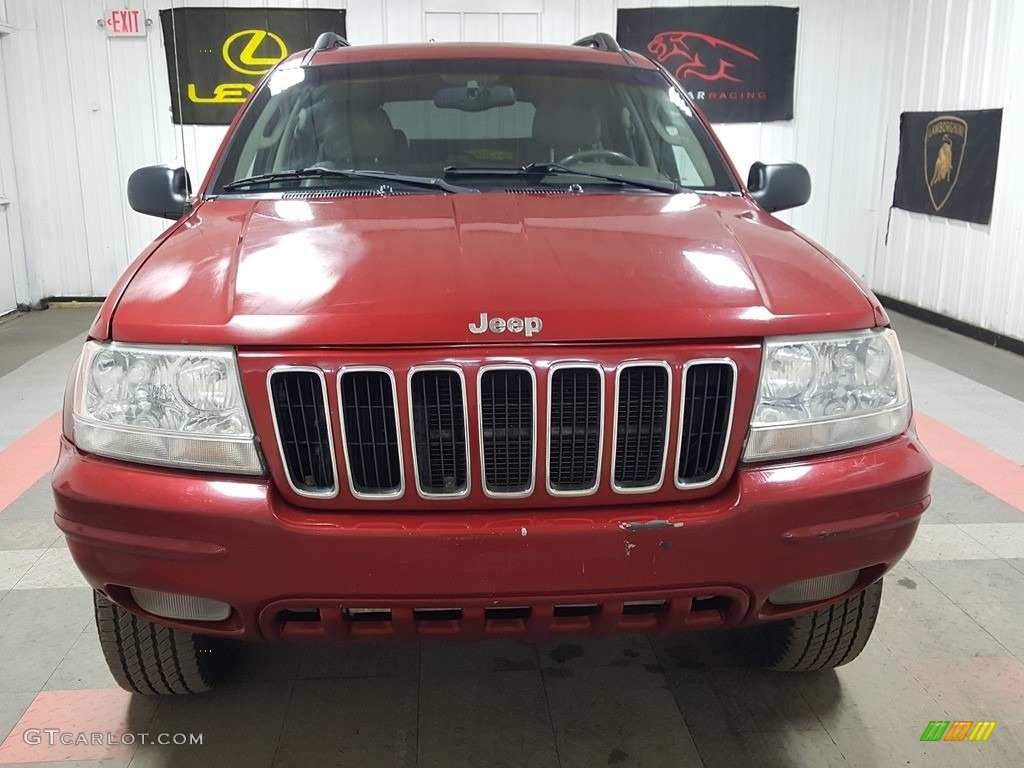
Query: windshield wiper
[(554, 169), (316, 172)]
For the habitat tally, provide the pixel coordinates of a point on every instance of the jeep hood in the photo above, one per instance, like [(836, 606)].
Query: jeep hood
[(421, 268)]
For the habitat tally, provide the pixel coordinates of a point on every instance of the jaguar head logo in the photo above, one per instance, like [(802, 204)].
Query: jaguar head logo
[(696, 55)]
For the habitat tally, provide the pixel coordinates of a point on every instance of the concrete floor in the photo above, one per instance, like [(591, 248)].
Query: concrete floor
[(949, 644)]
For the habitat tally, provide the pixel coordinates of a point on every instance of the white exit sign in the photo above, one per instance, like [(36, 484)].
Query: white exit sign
[(125, 22)]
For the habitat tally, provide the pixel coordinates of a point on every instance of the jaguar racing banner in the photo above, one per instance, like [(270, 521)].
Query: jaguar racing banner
[(737, 62), (947, 163), (215, 56)]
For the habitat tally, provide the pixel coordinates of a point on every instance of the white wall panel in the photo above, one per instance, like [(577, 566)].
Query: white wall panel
[(12, 279), (442, 26), (505, 23), (86, 110), (958, 54)]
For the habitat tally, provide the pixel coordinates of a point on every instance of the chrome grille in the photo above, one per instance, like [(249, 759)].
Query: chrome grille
[(575, 414), (437, 398), (641, 422), (429, 406), (299, 397), (507, 430), (709, 388), (369, 412)]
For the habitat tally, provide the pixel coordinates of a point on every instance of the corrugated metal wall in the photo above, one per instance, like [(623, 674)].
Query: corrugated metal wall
[(957, 54), (10, 233), (87, 110)]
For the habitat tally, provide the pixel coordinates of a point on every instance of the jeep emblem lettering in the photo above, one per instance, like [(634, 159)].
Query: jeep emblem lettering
[(527, 325)]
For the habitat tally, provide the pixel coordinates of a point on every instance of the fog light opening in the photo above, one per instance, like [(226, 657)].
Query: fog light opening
[(812, 590), (185, 607)]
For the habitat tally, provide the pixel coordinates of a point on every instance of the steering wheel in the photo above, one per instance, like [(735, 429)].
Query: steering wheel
[(608, 155)]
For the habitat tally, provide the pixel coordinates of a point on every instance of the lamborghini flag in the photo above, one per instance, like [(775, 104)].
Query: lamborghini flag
[(947, 163)]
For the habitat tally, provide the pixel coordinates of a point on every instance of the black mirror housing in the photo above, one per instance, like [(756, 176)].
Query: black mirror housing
[(779, 186), (160, 190)]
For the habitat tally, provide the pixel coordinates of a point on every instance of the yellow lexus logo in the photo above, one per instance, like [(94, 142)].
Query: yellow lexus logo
[(249, 41)]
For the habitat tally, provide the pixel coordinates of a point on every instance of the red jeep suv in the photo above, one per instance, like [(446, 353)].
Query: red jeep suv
[(481, 340)]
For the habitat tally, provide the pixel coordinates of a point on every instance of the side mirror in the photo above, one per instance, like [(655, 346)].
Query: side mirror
[(779, 186), (159, 190)]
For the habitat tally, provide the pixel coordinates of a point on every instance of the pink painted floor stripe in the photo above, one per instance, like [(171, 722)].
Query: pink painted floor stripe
[(987, 469), (90, 725), (26, 460)]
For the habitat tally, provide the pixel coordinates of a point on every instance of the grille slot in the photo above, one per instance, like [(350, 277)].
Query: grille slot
[(641, 426), (576, 609), (640, 607), (370, 433), (576, 408), (367, 614), (437, 614), (439, 432), (507, 430), (299, 398), (708, 393), (505, 613)]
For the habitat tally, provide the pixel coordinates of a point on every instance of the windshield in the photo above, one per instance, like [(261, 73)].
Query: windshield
[(463, 119)]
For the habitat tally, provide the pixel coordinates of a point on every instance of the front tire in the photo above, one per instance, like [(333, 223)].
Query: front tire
[(155, 660), (824, 639)]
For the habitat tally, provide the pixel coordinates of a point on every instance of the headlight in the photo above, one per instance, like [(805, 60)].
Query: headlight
[(174, 406), (825, 393)]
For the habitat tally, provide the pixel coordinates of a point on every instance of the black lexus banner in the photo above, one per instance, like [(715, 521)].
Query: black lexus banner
[(215, 56), (736, 62), (947, 163)]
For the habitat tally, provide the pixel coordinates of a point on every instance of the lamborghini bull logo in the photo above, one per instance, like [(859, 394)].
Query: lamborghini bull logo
[(692, 54), (945, 140)]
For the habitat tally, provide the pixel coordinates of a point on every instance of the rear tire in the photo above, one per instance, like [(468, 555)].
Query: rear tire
[(824, 639), (155, 660)]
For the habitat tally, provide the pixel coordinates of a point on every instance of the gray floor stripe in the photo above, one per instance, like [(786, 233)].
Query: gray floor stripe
[(35, 391)]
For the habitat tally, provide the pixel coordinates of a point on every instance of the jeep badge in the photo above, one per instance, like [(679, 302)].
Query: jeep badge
[(527, 325)]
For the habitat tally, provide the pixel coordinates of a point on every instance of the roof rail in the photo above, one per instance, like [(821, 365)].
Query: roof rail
[(602, 41), (325, 42)]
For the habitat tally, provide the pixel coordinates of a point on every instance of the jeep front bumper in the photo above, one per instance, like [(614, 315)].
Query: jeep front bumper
[(290, 572)]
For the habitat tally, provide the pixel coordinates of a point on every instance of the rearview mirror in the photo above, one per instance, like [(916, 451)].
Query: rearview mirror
[(474, 97)]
